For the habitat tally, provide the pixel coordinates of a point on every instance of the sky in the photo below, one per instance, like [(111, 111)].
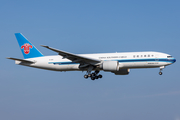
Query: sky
[(90, 26)]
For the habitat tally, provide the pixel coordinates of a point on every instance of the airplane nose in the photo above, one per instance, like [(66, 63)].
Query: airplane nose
[(174, 60)]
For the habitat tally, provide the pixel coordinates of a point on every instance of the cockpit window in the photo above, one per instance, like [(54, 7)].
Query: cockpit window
[(169, 56)]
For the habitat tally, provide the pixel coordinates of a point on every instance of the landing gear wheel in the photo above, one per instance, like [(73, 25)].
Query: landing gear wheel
[(86, 76), (93, 74), (100, 76), (92, 78), (89, 75), (96, 77), (160, 73)]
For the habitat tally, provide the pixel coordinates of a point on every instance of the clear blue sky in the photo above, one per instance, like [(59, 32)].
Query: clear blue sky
[(92, 26)]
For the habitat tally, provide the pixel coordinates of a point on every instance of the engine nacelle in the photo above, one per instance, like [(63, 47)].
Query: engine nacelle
[(110, 66), (121, 72)]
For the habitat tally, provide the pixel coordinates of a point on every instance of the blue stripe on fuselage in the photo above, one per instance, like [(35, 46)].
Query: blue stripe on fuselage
[(62, 63), (149, 60), (170, 60)]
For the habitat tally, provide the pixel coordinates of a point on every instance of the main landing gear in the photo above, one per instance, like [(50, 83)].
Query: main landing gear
[(161, 68), (93, 75)]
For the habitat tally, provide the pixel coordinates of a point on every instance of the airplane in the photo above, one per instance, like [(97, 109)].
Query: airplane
[(117, 63)]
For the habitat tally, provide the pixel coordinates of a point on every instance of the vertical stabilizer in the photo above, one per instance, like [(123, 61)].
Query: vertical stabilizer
[(28, 49)]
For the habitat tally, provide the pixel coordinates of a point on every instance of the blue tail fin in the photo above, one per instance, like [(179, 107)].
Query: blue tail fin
[(28, 49)]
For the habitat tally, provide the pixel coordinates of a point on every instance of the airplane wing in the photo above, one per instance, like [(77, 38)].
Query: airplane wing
[(27, 61), (74, 57)]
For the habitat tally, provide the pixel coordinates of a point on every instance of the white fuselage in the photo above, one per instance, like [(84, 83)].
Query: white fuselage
[(127, 60)]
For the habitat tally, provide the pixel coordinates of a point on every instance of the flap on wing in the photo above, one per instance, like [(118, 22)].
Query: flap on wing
[(74, 57), (22, 60)]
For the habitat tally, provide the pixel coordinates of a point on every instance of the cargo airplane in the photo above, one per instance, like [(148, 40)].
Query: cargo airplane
[(117, 63)]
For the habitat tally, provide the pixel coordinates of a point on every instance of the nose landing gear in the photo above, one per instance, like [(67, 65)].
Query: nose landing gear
[(161, 68), (160, 73)]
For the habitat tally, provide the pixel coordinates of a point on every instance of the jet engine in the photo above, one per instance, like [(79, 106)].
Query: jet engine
[(110, 65), (114, 67)]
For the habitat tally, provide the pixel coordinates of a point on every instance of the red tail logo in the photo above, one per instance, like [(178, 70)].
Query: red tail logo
[(26, 47)]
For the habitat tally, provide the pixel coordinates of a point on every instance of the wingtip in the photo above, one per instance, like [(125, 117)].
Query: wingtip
[(45, 46)]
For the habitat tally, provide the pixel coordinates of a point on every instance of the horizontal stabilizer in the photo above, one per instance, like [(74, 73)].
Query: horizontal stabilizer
[(27, 61)]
